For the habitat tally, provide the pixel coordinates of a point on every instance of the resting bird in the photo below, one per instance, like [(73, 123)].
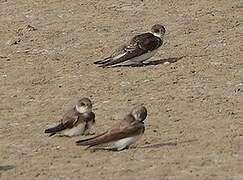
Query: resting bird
[(139, 49), (121, 135), (76, 121)]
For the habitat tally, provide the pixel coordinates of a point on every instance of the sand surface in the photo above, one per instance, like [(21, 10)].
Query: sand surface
[(194, 128)]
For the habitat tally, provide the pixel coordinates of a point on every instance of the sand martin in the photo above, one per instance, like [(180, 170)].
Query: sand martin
[(122, 135), (139, 49), (76, 121)]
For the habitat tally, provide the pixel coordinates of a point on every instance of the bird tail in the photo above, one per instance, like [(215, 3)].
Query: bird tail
[(52, 134), (103, 61), (85, 142), (90, 141), (55, 129)]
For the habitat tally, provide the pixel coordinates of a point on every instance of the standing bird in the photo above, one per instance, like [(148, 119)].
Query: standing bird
[(76, 121), (139, 49), (122, 135)]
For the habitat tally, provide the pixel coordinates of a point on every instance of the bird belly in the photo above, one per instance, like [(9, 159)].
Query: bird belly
[(75, 131), (144, 57), (139, 59), (125, 142), (87, 130)]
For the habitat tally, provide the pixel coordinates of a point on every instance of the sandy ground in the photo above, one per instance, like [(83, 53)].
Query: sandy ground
[(194, 128)]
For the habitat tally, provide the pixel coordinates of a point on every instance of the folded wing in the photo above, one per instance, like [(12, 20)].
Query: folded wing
[(67, 122), (113, 135), (139, 45)]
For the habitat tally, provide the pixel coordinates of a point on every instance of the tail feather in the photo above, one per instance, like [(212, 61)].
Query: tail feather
[(52, 134), (55, 129), (113, 60), (83, 142), (103, 61), (89, 141)]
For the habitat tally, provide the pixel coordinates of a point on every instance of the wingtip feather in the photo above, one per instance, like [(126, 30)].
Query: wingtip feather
[(47, 131), (54, 129), (81, 142), (103, 61)]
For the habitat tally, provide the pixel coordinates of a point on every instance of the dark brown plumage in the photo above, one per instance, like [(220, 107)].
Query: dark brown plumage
[(139, 48), (131, 126), (76, 121)]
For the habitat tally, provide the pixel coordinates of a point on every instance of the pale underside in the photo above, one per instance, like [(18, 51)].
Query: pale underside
[(80, 129), (119, 144), (75, 131), (136, 60)]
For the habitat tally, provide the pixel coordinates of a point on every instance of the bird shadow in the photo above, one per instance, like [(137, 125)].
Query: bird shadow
[(162, 61), (152, 146), (159, 145), (155, 62), (6, 168)]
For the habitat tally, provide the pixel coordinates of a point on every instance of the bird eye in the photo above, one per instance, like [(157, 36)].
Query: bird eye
[(82, 104)]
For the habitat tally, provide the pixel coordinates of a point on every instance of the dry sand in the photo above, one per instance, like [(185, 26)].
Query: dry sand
[(194, 128)]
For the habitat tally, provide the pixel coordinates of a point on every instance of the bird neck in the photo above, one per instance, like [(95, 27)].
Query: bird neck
[(157, 35)]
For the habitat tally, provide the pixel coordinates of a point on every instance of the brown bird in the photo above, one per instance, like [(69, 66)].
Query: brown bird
[(122, 135), (139, 49), (76, 121)]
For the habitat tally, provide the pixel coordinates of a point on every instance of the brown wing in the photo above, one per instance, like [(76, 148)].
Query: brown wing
[(135, 128), (147, 41), (139, 45), (69, 120), (126, 122), (120, 50)]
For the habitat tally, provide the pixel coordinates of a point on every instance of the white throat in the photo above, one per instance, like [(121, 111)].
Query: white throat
[(82, 109), (157, 35), (135, 116)]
